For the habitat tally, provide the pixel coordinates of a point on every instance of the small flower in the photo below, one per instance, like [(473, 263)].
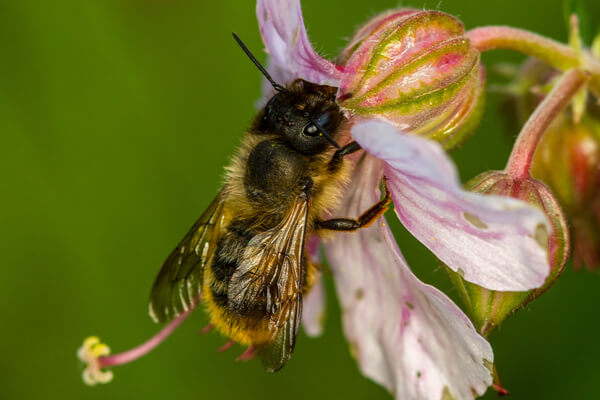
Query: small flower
[(90, 353), (406, 335)]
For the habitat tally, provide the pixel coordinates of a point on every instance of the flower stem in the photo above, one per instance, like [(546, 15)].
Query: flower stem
[(519, 163), (550, 51), (147, 346), (556, 54)]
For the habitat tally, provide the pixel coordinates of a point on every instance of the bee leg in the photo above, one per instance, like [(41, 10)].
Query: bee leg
[(365, 219), (226, 346), (206, 329), (248, 354), (338, 157)]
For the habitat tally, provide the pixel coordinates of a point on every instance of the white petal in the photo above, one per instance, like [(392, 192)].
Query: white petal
[(489, 240), (291, 54), (313, 307), (406, 335)]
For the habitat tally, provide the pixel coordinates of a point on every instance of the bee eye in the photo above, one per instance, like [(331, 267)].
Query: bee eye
[(324, 120), (311, 130)]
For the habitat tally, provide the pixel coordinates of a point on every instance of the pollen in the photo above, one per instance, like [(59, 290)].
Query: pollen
[(90, 353)]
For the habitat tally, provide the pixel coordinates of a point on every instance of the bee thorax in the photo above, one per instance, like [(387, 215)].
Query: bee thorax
[(274, 172)]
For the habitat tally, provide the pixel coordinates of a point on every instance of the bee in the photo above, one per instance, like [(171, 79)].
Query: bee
[(244, 258)]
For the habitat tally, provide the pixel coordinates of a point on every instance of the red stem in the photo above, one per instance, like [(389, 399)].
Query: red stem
[(519, 163)]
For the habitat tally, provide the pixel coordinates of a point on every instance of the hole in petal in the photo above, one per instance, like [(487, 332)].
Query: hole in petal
[(418, 374), (359, 294), (410, 305), (446, 395), (541, 236), (475, 221), (488, 365)]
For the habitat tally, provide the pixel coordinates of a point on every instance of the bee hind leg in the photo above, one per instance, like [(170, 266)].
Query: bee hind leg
[(365, 219)]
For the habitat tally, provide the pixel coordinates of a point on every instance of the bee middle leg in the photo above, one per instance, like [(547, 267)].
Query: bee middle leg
[(365, 219)]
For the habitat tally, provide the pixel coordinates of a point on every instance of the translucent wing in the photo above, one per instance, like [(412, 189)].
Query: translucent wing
[(270, 273), (179, 281)]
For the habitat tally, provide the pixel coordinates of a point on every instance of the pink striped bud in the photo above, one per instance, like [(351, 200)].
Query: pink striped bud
[(415, 69)]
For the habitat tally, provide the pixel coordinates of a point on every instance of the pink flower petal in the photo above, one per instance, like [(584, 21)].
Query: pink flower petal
[(292, 55), (406, 335), (489, 240), (313, 307)]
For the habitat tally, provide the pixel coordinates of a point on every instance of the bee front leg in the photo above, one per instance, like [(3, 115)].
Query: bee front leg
[(365, 219), (338, 157)]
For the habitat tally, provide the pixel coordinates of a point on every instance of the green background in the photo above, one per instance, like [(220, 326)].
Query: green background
[(116, 118)]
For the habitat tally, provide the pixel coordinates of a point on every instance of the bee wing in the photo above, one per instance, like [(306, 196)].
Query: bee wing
[(270, 273), (179, 281)]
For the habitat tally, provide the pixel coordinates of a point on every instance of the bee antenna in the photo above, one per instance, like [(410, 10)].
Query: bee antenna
[(262, 69), (323, 131)]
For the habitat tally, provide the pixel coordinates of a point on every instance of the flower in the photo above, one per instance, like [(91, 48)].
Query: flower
[(406, 335)]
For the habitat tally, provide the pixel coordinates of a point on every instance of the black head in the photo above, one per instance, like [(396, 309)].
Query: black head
[(305, 115)]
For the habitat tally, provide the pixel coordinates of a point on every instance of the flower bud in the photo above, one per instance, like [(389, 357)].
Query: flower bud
[(418, 70), (568, 160), (488, 308)]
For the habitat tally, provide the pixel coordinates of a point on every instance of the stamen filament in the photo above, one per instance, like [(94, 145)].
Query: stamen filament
[(146, 347), (519, 163)]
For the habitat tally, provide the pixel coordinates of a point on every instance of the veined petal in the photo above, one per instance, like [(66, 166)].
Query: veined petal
[(497, 242), (406, 335), (292, 55), (313, 307)]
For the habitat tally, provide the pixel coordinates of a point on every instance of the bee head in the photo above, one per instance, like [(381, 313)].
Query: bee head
[(305, 115)]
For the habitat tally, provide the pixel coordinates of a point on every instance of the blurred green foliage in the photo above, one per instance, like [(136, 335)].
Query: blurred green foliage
[(116, 118)]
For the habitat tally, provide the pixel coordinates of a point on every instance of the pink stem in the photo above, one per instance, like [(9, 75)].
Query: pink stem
[(519, 163), (147, 346), (556, 54)]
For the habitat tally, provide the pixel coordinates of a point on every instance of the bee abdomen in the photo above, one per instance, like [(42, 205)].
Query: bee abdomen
[(229, 252)]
